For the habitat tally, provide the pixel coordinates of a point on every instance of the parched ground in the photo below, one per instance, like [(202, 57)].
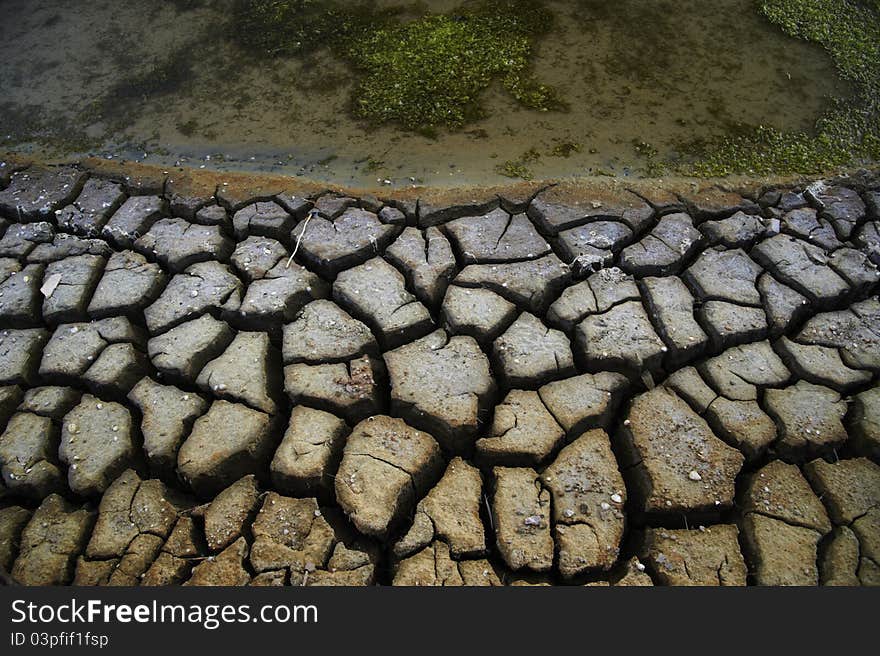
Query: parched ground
[(541, 387)]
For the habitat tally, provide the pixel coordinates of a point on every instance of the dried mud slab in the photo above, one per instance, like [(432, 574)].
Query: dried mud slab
[(386, 467), (678, 464), (705, 557), (220, 384)]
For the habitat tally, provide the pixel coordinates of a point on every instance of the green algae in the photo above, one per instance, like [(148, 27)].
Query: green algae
[(420, 74), (291, 27), (848, 133), (519, 168)]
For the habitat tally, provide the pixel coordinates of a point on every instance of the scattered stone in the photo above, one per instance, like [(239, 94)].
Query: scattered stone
[(386, 466), (442, 385), (228, 442)]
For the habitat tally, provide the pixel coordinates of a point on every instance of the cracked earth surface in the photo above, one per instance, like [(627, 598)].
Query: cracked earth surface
[(329, 390)]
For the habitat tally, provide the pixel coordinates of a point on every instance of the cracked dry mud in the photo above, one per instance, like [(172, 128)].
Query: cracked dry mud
[(535, 391)]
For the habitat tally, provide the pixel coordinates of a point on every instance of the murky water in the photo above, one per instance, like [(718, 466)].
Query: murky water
[(637, 76)]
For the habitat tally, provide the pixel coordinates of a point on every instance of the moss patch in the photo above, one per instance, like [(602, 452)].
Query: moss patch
[(849, 133), (519, 168), (421, 74)]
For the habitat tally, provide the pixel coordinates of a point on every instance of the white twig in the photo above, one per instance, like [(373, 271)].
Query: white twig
[(298, 241)]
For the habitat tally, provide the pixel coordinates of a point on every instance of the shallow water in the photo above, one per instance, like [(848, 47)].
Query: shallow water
[(656, 72)]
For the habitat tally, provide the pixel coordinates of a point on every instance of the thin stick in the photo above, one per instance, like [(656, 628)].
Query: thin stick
[(298, 241)]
